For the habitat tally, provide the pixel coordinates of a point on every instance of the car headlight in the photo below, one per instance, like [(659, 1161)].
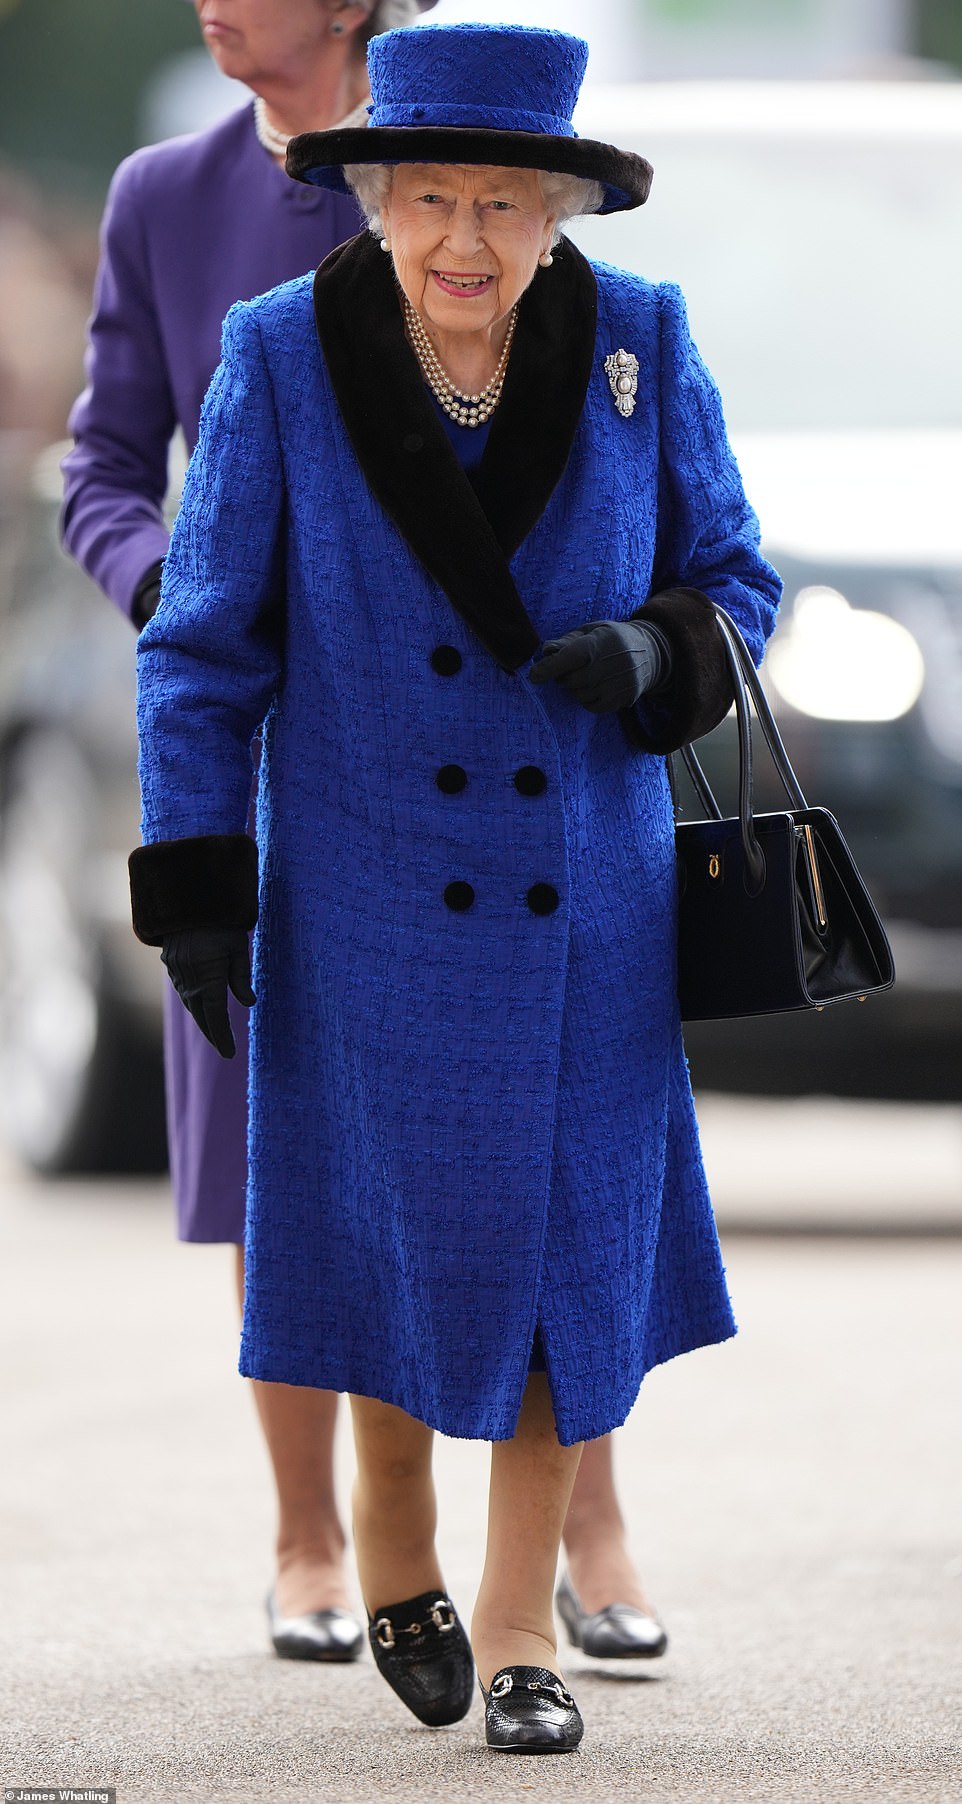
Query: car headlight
[(836, 662)]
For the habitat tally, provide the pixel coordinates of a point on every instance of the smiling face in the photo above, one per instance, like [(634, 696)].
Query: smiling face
[(465, 242)]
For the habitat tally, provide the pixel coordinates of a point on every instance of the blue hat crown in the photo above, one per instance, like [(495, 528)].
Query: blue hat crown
[(511, 78)]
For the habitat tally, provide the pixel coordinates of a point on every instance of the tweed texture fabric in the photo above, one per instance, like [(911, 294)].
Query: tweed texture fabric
[(505, 77), (470, 1118)]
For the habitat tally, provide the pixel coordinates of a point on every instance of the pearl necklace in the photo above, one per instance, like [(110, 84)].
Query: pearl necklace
[(465, 410), (275, 142)]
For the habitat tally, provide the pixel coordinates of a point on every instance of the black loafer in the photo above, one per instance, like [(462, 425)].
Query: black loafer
[(422, 1651), (527, 1710), (619, 1632), (322, 1635)]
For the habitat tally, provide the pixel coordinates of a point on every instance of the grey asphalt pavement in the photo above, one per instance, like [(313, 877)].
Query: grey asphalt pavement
[(795, 1499)]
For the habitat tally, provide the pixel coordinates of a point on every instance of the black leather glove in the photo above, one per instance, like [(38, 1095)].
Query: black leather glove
[(146, 596), (204, 963), (608, 665)]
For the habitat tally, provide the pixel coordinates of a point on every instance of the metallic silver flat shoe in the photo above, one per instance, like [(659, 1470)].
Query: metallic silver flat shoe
[(527, 1710), (321, 1635), (619, 1632)]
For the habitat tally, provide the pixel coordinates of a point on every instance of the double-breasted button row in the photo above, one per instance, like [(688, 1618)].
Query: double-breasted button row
[(542, 898), (528, 781)]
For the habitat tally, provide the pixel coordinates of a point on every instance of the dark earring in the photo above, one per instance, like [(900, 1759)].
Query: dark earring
[(337, 28)]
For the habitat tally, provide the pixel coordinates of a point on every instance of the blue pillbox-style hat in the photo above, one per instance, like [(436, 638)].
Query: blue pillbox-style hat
[(500, 78), (482, 94)]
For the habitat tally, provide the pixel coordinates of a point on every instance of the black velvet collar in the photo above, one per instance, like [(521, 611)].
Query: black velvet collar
[(463, 530)]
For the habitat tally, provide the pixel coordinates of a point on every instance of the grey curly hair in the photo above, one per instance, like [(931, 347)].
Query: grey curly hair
[(564, 195), (388, 15)]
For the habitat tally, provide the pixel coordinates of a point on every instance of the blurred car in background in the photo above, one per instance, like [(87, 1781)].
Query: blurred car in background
[(81, 1077), (816, 230)]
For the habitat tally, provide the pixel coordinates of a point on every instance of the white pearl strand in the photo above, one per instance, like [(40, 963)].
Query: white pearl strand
[(275, 142), (465, 410)]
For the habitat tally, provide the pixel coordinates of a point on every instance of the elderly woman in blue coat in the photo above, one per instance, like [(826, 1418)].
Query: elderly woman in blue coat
[(459, 509)]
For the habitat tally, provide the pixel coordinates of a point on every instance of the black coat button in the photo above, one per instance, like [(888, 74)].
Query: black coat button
[(451, 779), (446, 660), (530, 781), (459, 896), (543, 898), (412, 441)]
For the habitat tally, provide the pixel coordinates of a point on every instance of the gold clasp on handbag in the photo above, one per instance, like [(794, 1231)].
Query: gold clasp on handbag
[(714, 865)]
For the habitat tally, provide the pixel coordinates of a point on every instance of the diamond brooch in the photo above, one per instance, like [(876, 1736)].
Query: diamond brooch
[(621, 369)]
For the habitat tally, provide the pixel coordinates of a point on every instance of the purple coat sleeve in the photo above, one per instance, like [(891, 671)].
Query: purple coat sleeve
[(116, 475)]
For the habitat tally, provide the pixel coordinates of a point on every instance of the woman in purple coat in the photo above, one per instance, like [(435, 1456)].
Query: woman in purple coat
[(191, 226)]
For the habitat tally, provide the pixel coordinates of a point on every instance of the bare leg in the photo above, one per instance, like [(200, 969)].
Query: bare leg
[(298, 1425), (395, 1509), (602, 1570), (531, 1480)]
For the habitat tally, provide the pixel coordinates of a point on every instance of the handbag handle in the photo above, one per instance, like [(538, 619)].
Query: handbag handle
[(745, 684)]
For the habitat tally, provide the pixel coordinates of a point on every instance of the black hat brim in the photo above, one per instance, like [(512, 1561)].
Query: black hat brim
[(318, 158)]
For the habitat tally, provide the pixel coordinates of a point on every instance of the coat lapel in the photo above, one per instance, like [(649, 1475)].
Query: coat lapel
[(462, 532), (533, 430)]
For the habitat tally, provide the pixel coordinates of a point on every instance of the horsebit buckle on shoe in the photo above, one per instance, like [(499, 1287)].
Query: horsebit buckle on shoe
[(505, 1683), (386, 1635)]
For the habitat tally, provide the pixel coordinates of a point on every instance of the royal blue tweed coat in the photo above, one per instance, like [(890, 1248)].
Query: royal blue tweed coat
[(470, 1110)]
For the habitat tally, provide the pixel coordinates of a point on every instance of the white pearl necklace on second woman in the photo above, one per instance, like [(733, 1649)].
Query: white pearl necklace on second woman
[(275, 142)]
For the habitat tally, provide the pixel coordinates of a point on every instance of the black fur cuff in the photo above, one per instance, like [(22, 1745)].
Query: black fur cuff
[(210, 881), (147, 596), (699, 692)]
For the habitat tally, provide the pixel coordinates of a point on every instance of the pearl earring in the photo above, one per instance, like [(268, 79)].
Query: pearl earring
[(546, 259), (384, 245)]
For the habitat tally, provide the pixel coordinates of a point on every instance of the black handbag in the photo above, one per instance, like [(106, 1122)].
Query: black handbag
[(772, 912)]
